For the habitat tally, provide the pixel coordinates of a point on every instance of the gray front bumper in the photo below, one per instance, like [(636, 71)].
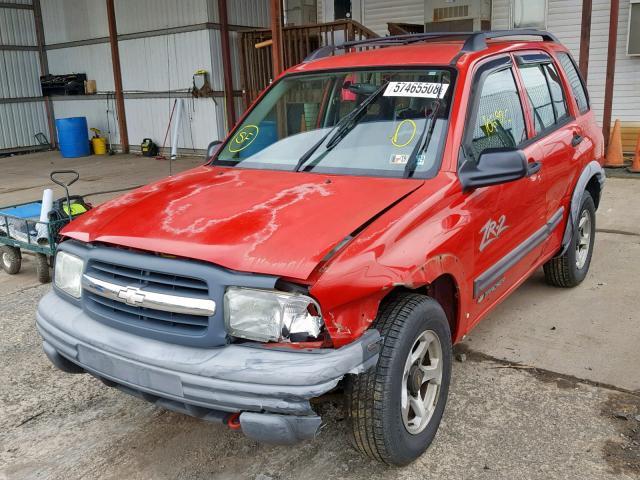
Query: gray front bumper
[(234, 378)]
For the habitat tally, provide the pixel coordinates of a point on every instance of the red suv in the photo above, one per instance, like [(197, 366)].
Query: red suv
[(369, 209)]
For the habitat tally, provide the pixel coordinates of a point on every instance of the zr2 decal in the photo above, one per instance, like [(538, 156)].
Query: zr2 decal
[(492, 230)]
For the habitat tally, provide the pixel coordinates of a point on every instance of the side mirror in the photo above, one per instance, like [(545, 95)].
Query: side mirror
[(495, 166), (213, 148)]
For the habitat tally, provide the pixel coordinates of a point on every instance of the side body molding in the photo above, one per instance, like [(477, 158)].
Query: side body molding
[(489, 277)]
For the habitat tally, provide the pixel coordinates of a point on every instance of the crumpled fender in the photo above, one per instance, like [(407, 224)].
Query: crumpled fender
[(592, 169), (352, 310)]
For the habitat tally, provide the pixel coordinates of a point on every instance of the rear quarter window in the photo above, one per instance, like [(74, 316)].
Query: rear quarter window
[(577, 87), (545, 95)]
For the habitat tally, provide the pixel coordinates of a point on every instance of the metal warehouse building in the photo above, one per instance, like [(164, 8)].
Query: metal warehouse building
[(162, 43)]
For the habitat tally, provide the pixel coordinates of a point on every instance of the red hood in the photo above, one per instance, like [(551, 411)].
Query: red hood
[(273, 222)]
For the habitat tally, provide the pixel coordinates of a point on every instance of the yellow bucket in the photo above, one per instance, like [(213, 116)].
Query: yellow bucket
[(99, 145)]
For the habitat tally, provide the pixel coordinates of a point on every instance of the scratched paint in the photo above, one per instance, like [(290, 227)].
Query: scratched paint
[(273, 222)]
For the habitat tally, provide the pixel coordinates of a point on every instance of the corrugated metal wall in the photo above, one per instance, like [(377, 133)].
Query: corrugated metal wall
[(167, 62), (252, 13), (17, 27), (145, 15), (94, 60), (157, 64), (19, 74), (22, 112), (74, 20), (19, 122)]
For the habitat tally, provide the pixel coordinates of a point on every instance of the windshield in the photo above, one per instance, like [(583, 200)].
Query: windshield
[(388, 123)]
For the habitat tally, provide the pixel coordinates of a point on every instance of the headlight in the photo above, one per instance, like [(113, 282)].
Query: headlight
[(68, 273), (268, 315)]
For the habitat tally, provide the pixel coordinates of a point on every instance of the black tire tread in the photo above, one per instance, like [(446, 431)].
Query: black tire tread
[(42, 268), (558, 270), (365, 394)]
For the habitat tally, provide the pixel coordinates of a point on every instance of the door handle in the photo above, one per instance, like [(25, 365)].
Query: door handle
[(576, 140), (533, 168)]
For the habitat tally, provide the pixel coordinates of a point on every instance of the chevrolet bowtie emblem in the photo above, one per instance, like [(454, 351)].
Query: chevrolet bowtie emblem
[(132, 295)]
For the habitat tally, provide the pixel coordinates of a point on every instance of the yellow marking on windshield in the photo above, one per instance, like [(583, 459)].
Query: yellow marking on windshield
[(245, 137), (394, 138)]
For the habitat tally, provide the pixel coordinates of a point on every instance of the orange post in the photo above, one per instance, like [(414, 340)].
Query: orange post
[(614, 158), (635, 166)]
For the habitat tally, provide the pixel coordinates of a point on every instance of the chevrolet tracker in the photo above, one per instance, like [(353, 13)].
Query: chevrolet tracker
[(368, 210)]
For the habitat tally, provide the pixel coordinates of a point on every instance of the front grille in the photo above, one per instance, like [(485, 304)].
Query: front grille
[(150, 281), (136, 277)]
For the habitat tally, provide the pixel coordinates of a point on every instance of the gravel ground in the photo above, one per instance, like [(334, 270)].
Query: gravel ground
[(501, 423)]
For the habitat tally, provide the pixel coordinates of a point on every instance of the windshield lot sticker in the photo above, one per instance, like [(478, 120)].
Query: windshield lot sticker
[(403, 159), (492, 230), (416, 89), (243, 138), (399, 159), (401, 131)]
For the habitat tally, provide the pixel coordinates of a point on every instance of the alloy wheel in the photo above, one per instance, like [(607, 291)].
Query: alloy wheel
[(421, 382), (583, 242)]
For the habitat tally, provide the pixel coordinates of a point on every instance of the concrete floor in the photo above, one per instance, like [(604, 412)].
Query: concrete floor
[(546, 391)]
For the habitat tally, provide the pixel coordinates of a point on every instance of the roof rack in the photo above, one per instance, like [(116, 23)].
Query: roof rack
[(474, 41)]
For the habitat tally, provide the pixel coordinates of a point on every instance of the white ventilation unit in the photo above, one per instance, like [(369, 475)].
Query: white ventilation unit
[(462, 12), (633, 31)]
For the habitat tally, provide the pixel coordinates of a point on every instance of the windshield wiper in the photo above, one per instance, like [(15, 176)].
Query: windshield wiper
[(355, 115), (423, 141), (344, 126)]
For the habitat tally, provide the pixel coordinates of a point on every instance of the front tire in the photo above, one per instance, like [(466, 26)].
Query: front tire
[(394, 409), (571, 268)]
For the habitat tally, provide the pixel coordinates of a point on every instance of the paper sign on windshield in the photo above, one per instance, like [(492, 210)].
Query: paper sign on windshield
[(416, 89)]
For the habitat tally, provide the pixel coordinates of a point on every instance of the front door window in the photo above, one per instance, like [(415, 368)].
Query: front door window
[(499, 122)]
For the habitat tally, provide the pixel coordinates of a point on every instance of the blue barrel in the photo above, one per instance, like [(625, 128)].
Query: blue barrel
[(73, 137)]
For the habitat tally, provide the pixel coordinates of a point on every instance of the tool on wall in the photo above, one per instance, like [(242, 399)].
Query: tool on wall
[(201, 86)]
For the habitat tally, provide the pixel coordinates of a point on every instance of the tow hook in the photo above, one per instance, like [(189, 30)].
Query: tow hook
[(233, 421)]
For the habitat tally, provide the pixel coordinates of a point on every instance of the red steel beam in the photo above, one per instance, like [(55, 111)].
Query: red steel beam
[(117, 76), (585, 37), (44, 69), (277, 55), (226, 64), (611, 69)]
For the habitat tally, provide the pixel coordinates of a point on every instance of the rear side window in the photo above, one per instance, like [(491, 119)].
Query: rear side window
[(557, 92), (538, 95), (577, 88), (544, 94), (499, 121)]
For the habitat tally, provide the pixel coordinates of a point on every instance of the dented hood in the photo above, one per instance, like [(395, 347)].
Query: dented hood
[(272, 222)]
